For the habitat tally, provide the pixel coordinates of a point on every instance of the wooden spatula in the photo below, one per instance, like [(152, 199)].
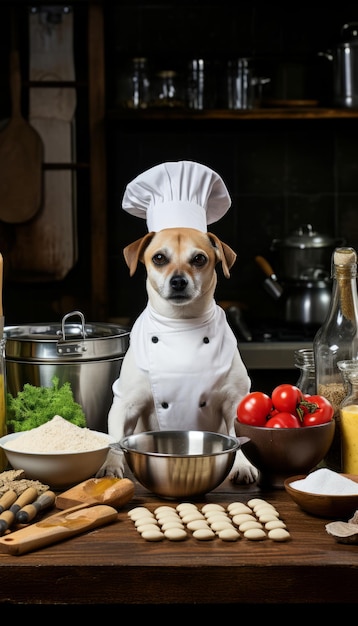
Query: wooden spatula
[(57, 527), (21, 158)]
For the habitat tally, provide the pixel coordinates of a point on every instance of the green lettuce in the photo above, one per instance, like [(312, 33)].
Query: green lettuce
[(33, 406)]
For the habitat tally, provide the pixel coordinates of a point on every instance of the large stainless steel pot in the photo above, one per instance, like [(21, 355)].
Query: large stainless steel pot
[(87, 355)]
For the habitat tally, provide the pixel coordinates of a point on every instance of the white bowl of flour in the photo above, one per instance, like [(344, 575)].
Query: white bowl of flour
[(58, 453)]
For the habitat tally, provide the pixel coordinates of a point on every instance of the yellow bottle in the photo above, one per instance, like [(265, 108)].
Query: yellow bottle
[(349, 424), (3, 430)]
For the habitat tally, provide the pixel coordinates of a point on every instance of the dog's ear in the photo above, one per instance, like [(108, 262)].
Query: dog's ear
[(225, 254), (134, 251)]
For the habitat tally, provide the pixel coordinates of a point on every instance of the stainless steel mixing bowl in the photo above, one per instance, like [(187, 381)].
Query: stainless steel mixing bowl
[(180, 463)]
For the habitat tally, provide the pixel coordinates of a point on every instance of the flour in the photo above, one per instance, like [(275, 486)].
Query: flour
[(327, 482), (58, 435)]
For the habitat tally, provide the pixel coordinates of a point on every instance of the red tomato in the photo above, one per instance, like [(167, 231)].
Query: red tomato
[(254, 408), (284, 419), (317, 410), (286, 398)]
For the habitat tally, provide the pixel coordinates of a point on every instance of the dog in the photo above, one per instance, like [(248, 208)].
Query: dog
[(181, 281)]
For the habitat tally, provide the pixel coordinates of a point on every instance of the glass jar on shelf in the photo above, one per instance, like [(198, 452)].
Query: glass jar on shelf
[(167, 90), (133, 91)]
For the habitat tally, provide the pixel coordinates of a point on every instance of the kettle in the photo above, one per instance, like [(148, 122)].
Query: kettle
[(304, 259), (304, 255), (345, 67)]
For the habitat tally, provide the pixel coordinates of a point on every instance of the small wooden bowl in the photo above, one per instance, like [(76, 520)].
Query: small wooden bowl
[(323, 505)]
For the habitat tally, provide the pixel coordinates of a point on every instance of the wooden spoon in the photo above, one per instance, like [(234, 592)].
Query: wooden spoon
[(107, 490)]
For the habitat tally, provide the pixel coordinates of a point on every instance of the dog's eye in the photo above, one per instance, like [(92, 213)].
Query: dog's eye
[(199, 260), (160, 259)]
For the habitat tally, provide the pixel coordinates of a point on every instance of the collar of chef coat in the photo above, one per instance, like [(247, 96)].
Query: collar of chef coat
[(183, 345)]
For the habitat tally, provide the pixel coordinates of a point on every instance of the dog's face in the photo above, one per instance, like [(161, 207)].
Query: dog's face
[(180, 265)]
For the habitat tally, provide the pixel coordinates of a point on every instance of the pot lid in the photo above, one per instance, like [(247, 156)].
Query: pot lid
[(80, 341), (305, 237)]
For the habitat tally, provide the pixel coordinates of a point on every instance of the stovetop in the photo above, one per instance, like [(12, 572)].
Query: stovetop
[(267, 331), (277, 332)]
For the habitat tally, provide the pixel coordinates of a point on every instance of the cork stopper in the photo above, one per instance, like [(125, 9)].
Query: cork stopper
[(344, 256), (345, 268)]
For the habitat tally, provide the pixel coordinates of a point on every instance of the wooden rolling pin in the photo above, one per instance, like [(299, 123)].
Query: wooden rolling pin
[(7, 500), (7, 517), (29, 511)]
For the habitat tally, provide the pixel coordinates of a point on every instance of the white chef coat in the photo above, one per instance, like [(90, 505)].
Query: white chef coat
[(185, 359)]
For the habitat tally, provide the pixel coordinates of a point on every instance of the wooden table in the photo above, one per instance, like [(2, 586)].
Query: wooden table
[(114, 565)]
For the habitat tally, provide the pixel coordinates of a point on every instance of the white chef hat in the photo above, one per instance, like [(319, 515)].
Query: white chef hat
[(178, 194)]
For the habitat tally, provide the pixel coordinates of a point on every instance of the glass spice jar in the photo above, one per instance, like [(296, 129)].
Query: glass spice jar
[(304, 361), (349, 422), (167, 90), (337, 340)]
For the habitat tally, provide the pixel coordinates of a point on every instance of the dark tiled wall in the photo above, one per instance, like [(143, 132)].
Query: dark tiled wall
[(280, 173)]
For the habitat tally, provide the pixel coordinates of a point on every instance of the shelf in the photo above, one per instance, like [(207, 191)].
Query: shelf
[(287, 113)]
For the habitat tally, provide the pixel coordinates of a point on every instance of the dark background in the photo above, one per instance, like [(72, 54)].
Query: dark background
[(280, 173)]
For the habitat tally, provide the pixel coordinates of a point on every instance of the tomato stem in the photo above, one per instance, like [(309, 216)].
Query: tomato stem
[(305, 407)]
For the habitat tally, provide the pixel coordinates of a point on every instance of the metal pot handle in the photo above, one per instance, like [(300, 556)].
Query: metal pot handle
[(71, 347)]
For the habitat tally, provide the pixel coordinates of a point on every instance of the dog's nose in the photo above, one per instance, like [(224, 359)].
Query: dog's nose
[(178, 283)]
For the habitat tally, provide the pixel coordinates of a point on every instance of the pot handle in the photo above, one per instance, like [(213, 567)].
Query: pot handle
[(74, 347)]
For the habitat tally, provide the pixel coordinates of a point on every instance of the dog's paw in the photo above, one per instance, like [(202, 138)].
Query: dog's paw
[(243, 472), (244, 475), (113, 465)]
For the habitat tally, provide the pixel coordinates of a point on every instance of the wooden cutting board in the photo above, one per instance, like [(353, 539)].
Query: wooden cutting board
[(21, 157), (46, 247)]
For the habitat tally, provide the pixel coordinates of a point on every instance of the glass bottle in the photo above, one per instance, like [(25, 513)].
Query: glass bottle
[(337, 340), (240, 86), (134, 85), (196, 85), (304, 361), (349, 423)]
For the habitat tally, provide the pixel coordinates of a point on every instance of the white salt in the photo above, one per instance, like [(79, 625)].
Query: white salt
[(58, 435), (326, 482)]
